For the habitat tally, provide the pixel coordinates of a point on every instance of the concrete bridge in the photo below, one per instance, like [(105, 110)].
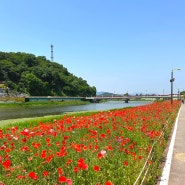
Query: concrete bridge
[(99, 98), (128, 98)]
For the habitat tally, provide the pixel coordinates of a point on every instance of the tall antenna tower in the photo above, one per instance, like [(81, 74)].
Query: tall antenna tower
[(52, 53)]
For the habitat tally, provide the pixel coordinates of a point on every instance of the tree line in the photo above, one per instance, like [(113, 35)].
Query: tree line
[(37, 76)]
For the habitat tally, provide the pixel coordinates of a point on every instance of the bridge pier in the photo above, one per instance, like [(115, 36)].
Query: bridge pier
[(94, 101)]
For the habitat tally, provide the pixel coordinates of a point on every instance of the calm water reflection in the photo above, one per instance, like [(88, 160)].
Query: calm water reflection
[(26, 112)]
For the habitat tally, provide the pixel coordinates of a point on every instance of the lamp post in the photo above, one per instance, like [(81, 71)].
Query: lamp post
[(178, 94), (172, 80)]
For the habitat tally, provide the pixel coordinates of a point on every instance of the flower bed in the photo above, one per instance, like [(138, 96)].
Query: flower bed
[(119, 147)]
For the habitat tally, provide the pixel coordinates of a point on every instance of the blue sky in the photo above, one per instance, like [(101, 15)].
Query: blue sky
[(117, 46)]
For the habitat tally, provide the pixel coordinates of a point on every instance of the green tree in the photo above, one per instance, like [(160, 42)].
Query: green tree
[(34, 85)]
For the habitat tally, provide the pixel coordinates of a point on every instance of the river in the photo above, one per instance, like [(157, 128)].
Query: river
[(34, 111)]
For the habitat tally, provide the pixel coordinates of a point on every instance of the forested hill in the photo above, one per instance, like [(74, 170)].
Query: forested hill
[(37, 76)]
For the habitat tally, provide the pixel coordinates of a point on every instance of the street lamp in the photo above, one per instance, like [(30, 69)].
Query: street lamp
[(172, 80)]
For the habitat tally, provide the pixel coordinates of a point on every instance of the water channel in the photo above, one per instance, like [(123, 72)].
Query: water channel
[(34, 111)]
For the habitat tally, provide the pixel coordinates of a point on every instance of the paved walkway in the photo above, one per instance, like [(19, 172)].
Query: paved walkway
[(175, 164)]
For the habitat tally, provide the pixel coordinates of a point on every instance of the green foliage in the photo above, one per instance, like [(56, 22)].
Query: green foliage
[(37, 76)]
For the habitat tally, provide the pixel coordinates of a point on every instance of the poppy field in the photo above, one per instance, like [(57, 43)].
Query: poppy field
[(115, 147)]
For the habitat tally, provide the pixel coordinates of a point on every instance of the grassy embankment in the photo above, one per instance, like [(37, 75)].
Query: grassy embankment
[(29, 122), (25, 122)]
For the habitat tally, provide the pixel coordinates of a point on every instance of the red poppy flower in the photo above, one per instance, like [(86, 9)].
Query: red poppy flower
[(7, 150), (139, 157), (75, 169), (33, 175), (108, 183), (60, 171), (82, 165), (125, 163), (49, 158), (6, 164), (48, 140), (96, 168), (62, 179), (103, 136), (109, 148), (45, 173), (43, 154), (149, 162), (69, 161)]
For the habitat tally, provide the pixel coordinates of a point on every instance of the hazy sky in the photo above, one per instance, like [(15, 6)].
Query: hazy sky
[(117, 46)]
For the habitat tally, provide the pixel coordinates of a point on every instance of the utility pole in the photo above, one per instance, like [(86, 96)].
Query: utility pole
[(172, 80), (52, 53)]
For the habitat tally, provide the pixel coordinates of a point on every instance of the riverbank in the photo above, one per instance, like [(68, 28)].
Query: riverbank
[(21, 122), (41, 103)]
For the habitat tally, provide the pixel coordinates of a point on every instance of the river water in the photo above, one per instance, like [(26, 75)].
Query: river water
[(34, 111)]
